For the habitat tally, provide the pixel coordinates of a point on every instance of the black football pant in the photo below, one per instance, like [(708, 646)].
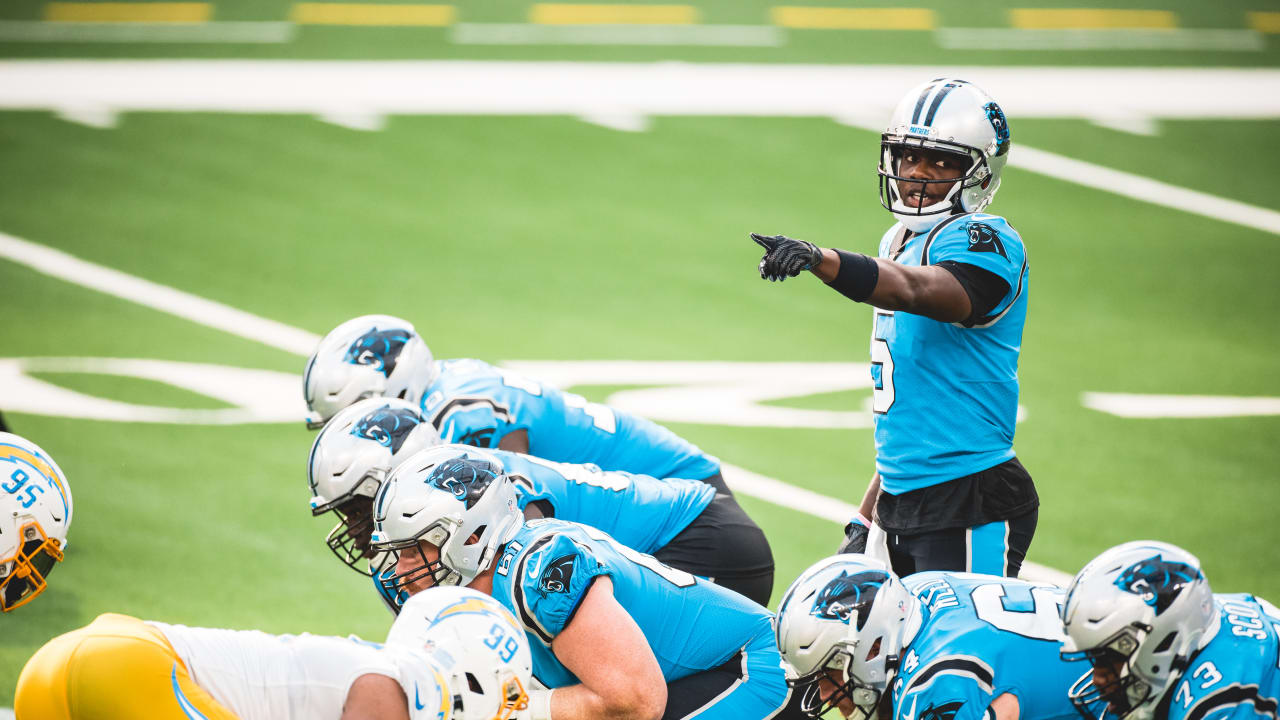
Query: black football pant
[(725, 545), (996, 548)]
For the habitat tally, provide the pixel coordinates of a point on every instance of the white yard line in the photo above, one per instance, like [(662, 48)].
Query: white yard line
[(64, 266), (1099, 39), (255, 33), (1144, 189), (667, 35), (625, 95)]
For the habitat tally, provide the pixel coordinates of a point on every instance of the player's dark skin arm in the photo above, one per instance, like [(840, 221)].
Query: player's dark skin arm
[(930, 291), (515, 441)]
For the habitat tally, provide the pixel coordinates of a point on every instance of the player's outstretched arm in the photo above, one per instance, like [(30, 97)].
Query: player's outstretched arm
[(375, 697), (605, 649), (930, 290)]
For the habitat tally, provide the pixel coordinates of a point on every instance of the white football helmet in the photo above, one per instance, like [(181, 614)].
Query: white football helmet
[(1138, 610), (475, 643), (444, 496), (35, 514), (953, 116), (369, 356), (849, 614), (357, 449)]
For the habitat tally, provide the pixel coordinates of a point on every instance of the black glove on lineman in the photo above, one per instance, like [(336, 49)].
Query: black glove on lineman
[(855, 536), (785, 257)]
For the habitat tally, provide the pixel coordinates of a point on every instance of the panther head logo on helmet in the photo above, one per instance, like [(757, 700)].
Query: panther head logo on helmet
[(378, 348), (388, 426), (467, 478), (848, 594), (1157, 581)]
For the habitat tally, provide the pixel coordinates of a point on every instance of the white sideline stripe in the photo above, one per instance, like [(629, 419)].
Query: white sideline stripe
[(692, 35), (1099, 39), (61, 265), (622, 95), (64, 266), (1129, 405), (1144, 189), (35, 31), (6, 714)]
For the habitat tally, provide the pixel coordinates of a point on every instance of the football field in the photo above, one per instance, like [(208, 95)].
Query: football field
[(564, 241)]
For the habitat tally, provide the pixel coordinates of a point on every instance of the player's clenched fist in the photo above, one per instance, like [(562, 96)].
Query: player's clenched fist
[(786, 257)]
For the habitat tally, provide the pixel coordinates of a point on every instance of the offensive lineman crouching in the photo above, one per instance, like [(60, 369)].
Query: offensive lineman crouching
[(614, 633)]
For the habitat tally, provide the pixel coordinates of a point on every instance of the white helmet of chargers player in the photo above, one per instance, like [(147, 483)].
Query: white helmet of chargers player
[(475, 643), (845, 620), (368, 356), (1137, 612), (35, 514), (351, 457), (949, 115), (444, 496)]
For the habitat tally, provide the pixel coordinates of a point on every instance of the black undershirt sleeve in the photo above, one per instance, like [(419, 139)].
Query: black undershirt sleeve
[(984, 288)]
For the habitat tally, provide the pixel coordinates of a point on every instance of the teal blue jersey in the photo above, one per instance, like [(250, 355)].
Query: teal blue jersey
[(945, 396), (982, 636), (638, 511), (1237, 675), (475, 403), (691, 624)]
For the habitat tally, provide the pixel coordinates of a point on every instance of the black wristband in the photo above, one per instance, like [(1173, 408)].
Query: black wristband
[(857, 276)]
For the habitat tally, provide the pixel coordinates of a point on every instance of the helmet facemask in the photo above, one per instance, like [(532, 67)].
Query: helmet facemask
[(1125, 690), (920, 219), (349, 539), (22, 576), (437, 534), (866, 697)]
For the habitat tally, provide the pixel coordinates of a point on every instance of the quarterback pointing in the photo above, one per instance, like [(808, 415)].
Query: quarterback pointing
[(949, 289)]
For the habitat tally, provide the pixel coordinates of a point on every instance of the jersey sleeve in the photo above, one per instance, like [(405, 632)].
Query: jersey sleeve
[(948, 690), (986, 242), (554, 576), (477, 421)]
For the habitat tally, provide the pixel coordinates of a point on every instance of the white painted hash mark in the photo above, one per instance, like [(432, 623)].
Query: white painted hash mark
[(1129, 405)]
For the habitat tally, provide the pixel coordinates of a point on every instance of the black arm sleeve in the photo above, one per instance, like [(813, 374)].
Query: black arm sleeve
[(984, 288), (857, 276)]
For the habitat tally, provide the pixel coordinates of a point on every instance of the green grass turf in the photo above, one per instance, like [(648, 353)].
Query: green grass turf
[(131, 389), (547, 238)]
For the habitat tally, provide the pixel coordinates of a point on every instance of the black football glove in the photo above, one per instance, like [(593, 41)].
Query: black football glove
[(855, 536), (785, 257)]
